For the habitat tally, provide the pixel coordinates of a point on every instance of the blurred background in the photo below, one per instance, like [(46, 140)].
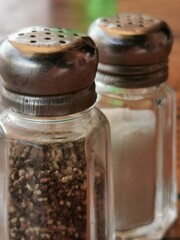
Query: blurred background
[(15, 14), (78, 14)]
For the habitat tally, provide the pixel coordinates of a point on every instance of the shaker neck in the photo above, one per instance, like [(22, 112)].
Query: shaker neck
[(129, 93), (132, 76), (18, 117), (49, 106)]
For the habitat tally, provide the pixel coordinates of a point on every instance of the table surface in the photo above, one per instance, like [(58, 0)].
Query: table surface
[(78, 14)]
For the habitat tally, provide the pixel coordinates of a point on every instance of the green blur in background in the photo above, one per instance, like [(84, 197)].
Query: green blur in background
[(100, 8), (79, 14)]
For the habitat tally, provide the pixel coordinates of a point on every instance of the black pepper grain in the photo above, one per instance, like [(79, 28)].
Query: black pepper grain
[(48, 191)]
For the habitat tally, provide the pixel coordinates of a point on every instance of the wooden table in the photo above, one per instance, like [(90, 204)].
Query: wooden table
[(15, 14)]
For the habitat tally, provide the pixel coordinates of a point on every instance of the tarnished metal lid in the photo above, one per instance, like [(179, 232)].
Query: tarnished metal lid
[(131, 40), (41, 62)]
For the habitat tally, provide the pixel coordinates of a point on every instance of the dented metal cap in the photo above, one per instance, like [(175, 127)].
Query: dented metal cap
[(48, 66), (132, 44)]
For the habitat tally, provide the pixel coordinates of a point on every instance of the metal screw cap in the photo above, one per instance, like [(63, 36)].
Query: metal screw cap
[(47, 61), (132, 44), (40, 62), (131, 39)]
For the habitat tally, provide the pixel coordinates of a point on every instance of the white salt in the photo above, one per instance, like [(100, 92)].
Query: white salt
[(134, 165)]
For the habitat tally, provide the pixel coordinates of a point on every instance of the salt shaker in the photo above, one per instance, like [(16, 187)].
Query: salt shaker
[(141, 109), (55, 174)]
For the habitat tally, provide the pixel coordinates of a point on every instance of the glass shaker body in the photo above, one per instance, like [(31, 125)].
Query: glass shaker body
[(55, 167), (141, 108), (142, 125), (53, 175)]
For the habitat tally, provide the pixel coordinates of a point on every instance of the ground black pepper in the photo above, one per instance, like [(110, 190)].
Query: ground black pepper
[(48, 191)]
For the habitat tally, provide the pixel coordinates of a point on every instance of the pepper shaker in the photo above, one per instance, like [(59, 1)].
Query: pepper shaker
[(55, 173), (141, 109)]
